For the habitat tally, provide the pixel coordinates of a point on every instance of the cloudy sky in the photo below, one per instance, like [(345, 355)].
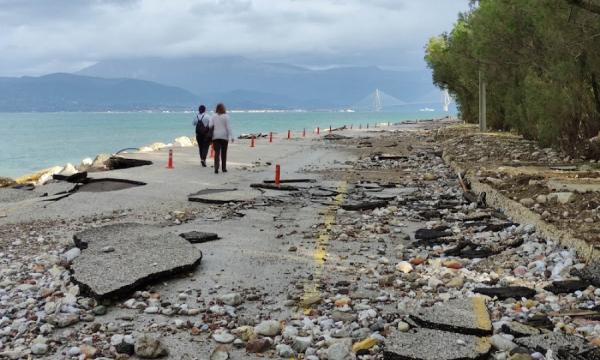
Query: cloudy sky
[(44, 36)]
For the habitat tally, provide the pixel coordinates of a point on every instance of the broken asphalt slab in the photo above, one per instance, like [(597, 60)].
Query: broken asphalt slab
[(223, 196), (503, 293), (429, 344), (364, 205), (118, 259), (198, 237), (275, 187), (465, 316), (552, 341)]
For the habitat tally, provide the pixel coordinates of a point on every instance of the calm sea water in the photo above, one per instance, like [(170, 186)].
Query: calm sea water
[(33, 141)]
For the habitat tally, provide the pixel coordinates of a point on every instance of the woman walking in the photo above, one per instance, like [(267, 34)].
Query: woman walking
[(221, 134), (203, 133)]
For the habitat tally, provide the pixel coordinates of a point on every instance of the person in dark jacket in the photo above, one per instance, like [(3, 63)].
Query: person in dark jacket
[(203, 133)]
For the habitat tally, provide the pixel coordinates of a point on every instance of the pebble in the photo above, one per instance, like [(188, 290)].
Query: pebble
[(268, 328)]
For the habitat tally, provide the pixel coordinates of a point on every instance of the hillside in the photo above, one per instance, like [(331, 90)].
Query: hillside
[(269, 84), (67, 92)]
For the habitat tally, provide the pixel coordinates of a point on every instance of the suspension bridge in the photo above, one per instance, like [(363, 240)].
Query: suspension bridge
[(378, 101)]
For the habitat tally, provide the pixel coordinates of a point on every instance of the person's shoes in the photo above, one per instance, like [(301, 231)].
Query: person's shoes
[(203, 163), (224, 170), (216, 171)]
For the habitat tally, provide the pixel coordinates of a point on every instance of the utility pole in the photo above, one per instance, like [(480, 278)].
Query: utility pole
[(482, 103)]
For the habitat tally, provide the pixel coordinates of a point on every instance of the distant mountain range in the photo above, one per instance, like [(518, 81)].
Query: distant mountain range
[(246, 83), (68, 92), (158, 83)]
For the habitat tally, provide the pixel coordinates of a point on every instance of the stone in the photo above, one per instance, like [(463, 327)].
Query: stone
[(285, 351), (223, 337), (268, 328), (364, 344), (562, 197), (340, 351), (258, 345), (403, 327), (502, 343), (503, 293), (465, 316), (220, 353), (39, 349), (233, 299), (528, 202), (405, 267), (198, 237), (147, 347), (63, 320), (143, 254), (343, 316), (301, 343), (429, 344)]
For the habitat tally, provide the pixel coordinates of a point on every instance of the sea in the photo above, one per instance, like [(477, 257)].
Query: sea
[(30, 142)]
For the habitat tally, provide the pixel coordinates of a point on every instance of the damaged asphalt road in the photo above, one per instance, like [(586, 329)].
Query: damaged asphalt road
[(338, 269)]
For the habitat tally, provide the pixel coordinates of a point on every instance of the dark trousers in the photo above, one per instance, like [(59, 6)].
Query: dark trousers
[(220, 153), (203, 145)]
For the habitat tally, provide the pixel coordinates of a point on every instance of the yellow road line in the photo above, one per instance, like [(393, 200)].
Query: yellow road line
[(311, 287)]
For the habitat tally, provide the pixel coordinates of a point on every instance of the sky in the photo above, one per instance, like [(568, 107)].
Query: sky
[(44, 36)]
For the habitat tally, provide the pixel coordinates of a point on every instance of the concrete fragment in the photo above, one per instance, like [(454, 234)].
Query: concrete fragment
[(465, 316), (429, 344), (142, 254), (518, 329)]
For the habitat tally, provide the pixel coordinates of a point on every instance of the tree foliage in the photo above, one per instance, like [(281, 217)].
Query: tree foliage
[(541, 62)]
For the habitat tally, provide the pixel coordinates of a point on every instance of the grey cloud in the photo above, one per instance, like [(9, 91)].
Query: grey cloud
[(42, 36)]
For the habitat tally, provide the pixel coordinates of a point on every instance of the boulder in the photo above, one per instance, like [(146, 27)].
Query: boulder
[(183, 141), (99, 162)]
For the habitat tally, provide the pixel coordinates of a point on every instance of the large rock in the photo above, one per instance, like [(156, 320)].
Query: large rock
[(142, 254), (428, 344), (184, 141), (465, 316)]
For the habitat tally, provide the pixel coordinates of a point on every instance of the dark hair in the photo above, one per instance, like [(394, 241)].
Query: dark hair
[(202, 109), (221, 109)]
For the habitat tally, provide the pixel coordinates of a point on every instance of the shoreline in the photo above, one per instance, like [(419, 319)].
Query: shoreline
[(95, 164)]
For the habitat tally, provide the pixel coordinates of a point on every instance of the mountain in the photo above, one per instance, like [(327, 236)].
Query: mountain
[(68, 92), (268, 84)]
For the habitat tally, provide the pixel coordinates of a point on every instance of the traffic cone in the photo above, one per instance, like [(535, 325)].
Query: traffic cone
[(289, 134), (253, 141), (304, 132), (170, 161), (318, 130), (271, 137), (277, 174)]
